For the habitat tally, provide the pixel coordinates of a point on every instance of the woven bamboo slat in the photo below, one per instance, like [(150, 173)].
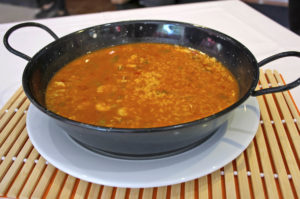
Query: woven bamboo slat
[(56, 185), (256, 181), (189, 189), (14, 168), (9, 109), (107, 192), (242, 177), (6, 146), (9, 125), (216, 185), (203, 187), (161, 192), (287, 115), (268, 173), (21, 178), (120, 193), (11, 101), (147, 193), (81, 189), (229, 181), (44, 182), (287, 97), (278, 161), (67, 189), (12, 153), (176, 191), (134, 193), (283, 145), (268, 168), (31, 183), (94, 191)]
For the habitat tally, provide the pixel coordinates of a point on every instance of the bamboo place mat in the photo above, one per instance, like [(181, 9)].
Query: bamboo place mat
[(268, 168)]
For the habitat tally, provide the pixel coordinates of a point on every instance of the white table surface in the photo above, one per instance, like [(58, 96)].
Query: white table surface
[(260, 34)]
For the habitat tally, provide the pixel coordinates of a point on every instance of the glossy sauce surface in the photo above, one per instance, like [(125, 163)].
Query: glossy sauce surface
[(141, 85)]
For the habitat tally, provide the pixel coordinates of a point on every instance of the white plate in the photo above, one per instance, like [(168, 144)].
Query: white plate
[(65, 154)]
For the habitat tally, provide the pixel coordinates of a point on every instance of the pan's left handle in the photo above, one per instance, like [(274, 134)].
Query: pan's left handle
[(16, 27)]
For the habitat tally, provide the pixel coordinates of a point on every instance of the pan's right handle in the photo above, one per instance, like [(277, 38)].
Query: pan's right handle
[(278, 88), (16, 27)]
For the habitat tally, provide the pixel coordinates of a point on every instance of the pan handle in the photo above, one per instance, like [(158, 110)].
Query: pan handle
[(16, 27), (279, 88)]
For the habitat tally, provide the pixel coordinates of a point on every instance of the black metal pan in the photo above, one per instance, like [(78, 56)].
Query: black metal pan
[(148, 142)]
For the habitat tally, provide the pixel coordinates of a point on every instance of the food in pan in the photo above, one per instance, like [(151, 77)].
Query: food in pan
[(141, 85)]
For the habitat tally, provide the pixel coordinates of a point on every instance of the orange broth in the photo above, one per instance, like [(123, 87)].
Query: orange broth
[(141, 85)]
